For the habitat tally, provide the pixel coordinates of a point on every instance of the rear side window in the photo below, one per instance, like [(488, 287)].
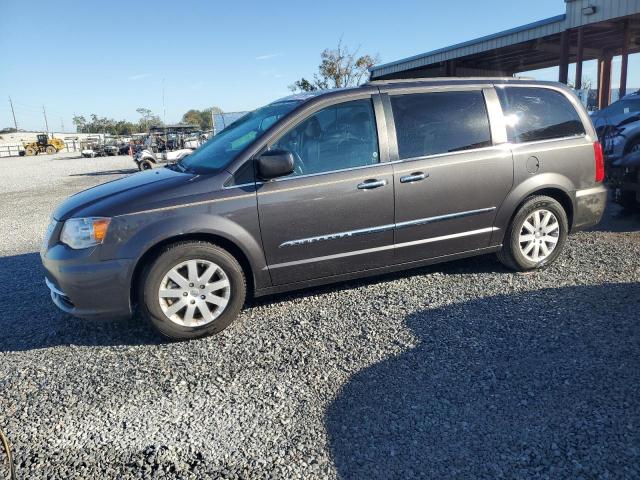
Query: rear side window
[(443, 122), (534, 114)]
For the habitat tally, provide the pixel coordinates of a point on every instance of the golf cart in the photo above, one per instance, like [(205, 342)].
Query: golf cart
[(167, 144), (92, 147)]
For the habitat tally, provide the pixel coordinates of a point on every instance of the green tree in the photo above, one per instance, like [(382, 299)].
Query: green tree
[(148, 119), (202, 118), (97, 124), (80, 122), (339, 67), (303, 85)]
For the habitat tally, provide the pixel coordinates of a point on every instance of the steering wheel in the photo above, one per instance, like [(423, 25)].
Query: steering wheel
[(351, 139)]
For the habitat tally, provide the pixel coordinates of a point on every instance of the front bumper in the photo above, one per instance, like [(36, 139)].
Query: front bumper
[(83, 285), (589, 207)]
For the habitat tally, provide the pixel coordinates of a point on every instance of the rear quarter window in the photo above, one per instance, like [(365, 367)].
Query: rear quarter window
[(534, 114)]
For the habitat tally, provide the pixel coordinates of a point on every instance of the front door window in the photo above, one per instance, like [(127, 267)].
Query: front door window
[(335, 138)]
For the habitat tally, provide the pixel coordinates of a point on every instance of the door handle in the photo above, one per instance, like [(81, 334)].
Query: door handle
[(371, 183), (414, 177)]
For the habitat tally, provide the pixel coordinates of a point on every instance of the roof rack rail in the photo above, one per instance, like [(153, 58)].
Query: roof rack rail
[(445, 79)]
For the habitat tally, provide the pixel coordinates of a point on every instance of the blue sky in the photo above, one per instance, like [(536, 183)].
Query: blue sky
[(111, 58)]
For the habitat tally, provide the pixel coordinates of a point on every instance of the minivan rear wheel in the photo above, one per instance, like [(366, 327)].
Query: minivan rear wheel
[(191, 290), (536, 235)]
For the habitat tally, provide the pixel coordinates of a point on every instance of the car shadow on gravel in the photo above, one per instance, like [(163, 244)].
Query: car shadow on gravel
[(618, 220), (481, 264), (543, 384), (29, 320)]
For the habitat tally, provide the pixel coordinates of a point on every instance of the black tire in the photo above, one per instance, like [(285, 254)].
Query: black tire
[(628, 201), (169, 257), (145, 165), (511, 254), (51, 150), (632, 146)]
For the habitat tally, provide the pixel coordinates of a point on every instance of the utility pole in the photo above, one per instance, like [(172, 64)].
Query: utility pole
[(15, 124), (164, 110), (45, 118), (62, 125)]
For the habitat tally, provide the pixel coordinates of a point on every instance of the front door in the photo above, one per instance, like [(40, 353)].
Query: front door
[(450, 178), (334, 214)]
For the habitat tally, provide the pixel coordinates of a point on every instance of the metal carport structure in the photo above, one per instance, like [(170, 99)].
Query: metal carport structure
[(589, 30)]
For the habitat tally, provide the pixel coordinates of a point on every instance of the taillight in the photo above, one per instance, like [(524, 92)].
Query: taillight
[(599, 157)]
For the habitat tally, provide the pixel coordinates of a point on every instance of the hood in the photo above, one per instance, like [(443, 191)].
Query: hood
[(604, 118), (115, 197)]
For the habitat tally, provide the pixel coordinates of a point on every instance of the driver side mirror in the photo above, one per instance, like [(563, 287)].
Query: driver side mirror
[(274, 164)]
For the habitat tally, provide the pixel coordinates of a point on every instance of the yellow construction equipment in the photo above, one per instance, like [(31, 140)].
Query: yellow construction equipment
[(44, 144)]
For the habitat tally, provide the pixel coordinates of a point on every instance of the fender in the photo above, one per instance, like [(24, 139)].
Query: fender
[(526, 188), (135, 235)]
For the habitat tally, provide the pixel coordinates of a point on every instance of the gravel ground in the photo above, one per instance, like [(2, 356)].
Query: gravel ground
[(461, 370)]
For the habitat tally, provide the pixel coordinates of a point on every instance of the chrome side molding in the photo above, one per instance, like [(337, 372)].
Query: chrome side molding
[(384, 228)]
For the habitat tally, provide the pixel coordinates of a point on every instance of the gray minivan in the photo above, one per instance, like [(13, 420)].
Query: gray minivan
[(328, 186)]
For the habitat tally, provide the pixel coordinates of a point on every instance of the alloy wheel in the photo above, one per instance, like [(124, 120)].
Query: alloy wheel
[(194, 293), (539, 235)]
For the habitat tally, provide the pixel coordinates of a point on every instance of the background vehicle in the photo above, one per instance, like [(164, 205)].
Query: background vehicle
[(145, 159), (125, 148), (44, 144), (167, 145), (618, 128), (92, 149), (110, 149), (624, 179), (329, 186)]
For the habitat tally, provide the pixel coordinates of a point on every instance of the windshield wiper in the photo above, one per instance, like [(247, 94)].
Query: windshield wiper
[(176, 166)]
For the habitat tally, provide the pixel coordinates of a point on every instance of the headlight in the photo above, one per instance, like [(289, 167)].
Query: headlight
[(84, 232)]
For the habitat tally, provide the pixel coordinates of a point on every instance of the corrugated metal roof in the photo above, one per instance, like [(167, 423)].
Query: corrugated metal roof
[(604, 10), (523, 33), (574, 17)]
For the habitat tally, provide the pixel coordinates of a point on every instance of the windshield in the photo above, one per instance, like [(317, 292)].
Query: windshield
[(220, 150)]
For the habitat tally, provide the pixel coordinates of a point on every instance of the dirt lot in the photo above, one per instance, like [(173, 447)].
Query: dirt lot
[(462, 370)]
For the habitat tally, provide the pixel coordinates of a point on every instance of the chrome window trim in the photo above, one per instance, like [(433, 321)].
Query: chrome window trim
[(449, 154), (384, 228), (284, 179), (549, 140)]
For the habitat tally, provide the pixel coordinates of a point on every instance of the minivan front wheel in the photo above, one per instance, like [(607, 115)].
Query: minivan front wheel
[(191, 290), (536, 235)]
